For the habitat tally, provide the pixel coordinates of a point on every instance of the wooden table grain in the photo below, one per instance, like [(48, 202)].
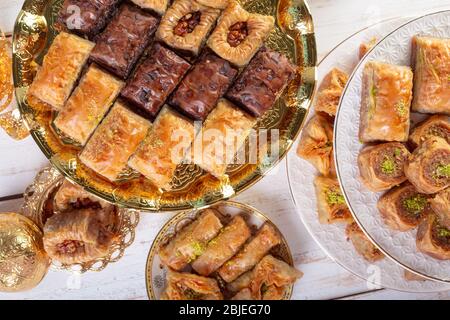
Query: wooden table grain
[(335, 20)]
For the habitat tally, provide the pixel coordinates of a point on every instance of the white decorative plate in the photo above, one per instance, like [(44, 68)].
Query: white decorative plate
[(332, 238), (401, 247)]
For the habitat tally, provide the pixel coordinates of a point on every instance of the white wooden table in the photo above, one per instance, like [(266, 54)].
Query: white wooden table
[(19, 161)]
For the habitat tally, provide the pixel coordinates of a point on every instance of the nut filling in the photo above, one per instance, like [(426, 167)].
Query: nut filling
[(70, 246), (188, 23), (437, 169), (238, 33), (441, 235)]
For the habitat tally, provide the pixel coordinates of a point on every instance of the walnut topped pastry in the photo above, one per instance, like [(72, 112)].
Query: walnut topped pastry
[(331, 204), (330, 92), (441, 206), (428, 168), (186, 25), (381, 167), (437, 125), (239, 34), (433, 238)]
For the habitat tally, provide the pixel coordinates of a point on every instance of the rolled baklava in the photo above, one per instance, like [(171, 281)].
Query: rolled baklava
[(433, 238), (188, 286), (330, 92), (218, 4), (381, 167), (331, 204), (435, 126), (385, 102), (441, 206)]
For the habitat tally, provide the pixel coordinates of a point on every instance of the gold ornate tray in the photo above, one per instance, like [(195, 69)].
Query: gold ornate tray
[(155, 273), (35, 198), (192, 188)]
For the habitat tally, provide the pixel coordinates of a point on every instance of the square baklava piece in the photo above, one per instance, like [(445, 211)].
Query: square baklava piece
[(431, 59), (164, 148), (123, 41), (158, 6), (186, 25), (88, 104), (262, 82), (385, 102), (240, 34), (87, 17), (155, 79), (115, 140), (203, 86), (60, 70)]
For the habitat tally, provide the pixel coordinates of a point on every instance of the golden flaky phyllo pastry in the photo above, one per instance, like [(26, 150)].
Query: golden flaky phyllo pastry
[(186, 25), (366, 47), (428, 167), (441, 206), (62, 65), (188, 286), (433, 238), (71, 196), (330, 92), (316, 144), (434, 126), (239, 34), (218, 4), (362, 244), (159, 6), (331, 204), (431, 60), (88, 105), (114, 141), (385, 102)]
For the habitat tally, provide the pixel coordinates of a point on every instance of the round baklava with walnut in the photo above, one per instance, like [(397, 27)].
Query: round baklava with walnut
[(435, 126)]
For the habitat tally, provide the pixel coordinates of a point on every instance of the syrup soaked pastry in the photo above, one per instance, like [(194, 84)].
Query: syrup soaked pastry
[(428, 168), (203, 86), (164, 148), (155, 79), (224, 133), (316, 144), (266, 238), (244, 294), (114, 141), (186, 25), (79, 236), (159, 6), (191, 241), (441, 206), (381, 167), (431, 60), (404, 208), (218, 4), (88, 105), (385, 102), (433, 238), (362, 244), (435, 126), (262, 82), (223, 247), (120, 45), (330, 91), (188, 286), (331, 204), (366, 47), (240, 34), (87, 17), (62, 65), (241, 282)]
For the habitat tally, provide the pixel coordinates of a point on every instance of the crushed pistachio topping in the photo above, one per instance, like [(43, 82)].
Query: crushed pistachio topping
[(401, 108), (443, 233), (198, 248), (443, 170), (373, 101), (388, 165), (334, 197), (415, 204), (397, 152)]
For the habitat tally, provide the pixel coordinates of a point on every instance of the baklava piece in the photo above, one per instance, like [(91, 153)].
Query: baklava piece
[(88, 105), (155, 79), (188, 286), (441, 206), (366, 47), (87, 18), (381, 167), (362, 244), (114, 141), (224, 132), (428, 168), (404, 208), (164, 148), (433, 238), (262, 82), (203, 86), (431, 60), (123, 41), (218, 4), (240, 34), (158, 6), (331, 204), (435, 126), (385, 102), (330, 92), (244, 294), (186, 25), (60, 70), (316, 144), (72, 197)]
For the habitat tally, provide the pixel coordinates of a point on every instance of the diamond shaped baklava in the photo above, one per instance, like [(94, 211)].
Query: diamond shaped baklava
[(186, 25), (115, 140), (88, 104), (159, 6), (240, 34), (60, 70)]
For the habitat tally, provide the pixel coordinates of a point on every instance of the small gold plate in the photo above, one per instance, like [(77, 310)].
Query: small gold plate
[(155, 272), (191, 188)]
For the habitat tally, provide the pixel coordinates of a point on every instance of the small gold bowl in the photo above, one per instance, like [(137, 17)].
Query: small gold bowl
[(36, 196)]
